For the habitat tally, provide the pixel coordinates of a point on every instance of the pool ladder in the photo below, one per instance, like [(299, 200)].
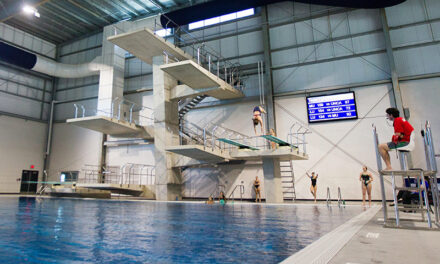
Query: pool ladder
[(329, 199)]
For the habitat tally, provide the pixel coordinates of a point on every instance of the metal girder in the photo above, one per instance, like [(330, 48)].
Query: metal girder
[(394, 76), (62, 10), (70, 23), (158, 4), (103, 9), (80, 6), (42, 26), (143, 5), (122, 7)]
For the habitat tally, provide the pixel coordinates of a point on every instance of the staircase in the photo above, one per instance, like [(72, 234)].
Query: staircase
[(190, 105), (287, 180)]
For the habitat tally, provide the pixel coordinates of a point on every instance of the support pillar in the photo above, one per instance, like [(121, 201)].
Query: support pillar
[(272, 180), (166, 127), (111, 79)]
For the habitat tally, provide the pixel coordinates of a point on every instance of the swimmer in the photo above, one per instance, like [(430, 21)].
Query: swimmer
[(366, 178), (313, 187), (210, 200), (401, 137), (257, 189), (222, 198), (256, 118)]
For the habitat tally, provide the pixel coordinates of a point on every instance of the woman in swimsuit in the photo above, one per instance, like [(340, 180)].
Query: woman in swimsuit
[(256, 118), (257, 189), (313, 187), (366, 178)]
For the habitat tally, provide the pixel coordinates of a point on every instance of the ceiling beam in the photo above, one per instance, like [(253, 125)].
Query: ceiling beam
[(98, 16)]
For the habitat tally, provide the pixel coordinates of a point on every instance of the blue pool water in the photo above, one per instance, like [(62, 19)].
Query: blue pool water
[(45, 230)]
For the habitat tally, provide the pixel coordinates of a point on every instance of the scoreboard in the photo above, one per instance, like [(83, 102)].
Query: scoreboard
[(331, 107)]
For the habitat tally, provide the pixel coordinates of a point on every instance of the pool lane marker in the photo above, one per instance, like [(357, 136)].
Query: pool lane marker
[(325, 248)]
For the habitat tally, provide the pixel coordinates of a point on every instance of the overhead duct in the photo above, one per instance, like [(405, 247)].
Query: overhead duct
[(217, 8), (30, 61)]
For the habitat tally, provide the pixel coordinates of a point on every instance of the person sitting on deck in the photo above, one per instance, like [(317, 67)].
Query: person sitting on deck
[(256, 118), (401, 137)]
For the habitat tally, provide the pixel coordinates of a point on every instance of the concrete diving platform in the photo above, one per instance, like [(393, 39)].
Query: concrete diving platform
[(113, 127), (127, 189), (199, 152), (197, 77), (145, 45), (281, 153)]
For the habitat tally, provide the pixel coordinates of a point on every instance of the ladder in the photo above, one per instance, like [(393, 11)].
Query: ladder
[(287, 180)]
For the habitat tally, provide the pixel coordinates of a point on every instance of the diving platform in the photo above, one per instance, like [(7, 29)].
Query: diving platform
[(114, 127), (199, 152), (145, 45), (126, 189), (281, 153), (237, 144), (197, 77)]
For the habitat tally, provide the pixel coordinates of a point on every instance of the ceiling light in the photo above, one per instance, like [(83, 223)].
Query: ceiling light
[(29, 9), (37, 14)]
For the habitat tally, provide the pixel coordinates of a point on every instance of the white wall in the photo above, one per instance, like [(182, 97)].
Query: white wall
[(72, 148), (422, 98), (22, 143)]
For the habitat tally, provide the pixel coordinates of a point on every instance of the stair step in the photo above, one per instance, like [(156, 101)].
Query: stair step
[(412, 209)]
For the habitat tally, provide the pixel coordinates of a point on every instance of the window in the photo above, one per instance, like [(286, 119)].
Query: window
[(69, 176), (221, 19), (163, 32)]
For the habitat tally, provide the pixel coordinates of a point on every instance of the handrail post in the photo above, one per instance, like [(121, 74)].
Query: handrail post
[(329, 199), (84, 110), (131, 112), (76, 110), (209, 63), (198, 56)]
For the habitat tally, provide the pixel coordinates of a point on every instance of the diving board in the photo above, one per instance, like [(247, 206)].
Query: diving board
[(145, 45), (237, 144), (113, 127), (197, 77), (199, 152), (280, 142)]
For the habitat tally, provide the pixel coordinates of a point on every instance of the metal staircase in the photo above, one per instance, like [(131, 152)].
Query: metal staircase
[(186, 107), (288, 180)]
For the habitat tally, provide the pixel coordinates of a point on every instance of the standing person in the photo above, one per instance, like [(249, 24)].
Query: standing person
[(366, 178), (401, 137), (313, 187), (257, 189), (272, 133), (256, 118)]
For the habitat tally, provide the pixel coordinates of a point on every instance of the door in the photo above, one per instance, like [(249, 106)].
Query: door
[(29, 181)]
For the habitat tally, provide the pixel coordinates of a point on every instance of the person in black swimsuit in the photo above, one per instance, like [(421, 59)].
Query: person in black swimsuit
[(257, 189), (313, 187), (366, 178), (256, 118)]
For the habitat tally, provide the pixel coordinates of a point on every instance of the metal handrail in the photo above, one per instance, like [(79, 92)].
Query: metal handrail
[(329, 199), (241, 192), (340, 201)]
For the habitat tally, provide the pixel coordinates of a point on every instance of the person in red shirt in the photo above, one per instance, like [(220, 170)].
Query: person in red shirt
[(401, 137)]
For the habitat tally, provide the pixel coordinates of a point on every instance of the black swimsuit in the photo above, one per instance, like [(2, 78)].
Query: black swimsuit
[(365, 179), (313, 181)]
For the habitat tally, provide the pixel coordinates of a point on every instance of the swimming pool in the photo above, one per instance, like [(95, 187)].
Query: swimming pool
[(53, 230)]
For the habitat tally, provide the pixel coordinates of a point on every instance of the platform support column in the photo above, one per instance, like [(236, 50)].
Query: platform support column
[(272, 180), (111, 79), (166, 127)]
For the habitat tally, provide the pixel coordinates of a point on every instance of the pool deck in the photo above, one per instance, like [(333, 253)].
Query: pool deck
[(376, 244)]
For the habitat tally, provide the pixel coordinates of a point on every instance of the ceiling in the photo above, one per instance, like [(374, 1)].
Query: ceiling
[(61, 21)]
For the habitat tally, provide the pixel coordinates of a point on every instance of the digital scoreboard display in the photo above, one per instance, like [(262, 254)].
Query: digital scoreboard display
[(331, 107)]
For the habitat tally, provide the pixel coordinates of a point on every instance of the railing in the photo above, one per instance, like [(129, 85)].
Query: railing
[(329, 199), (340, 201), (297, 137), (119, 109), (204, 55), (129, 173), (241, 189)]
